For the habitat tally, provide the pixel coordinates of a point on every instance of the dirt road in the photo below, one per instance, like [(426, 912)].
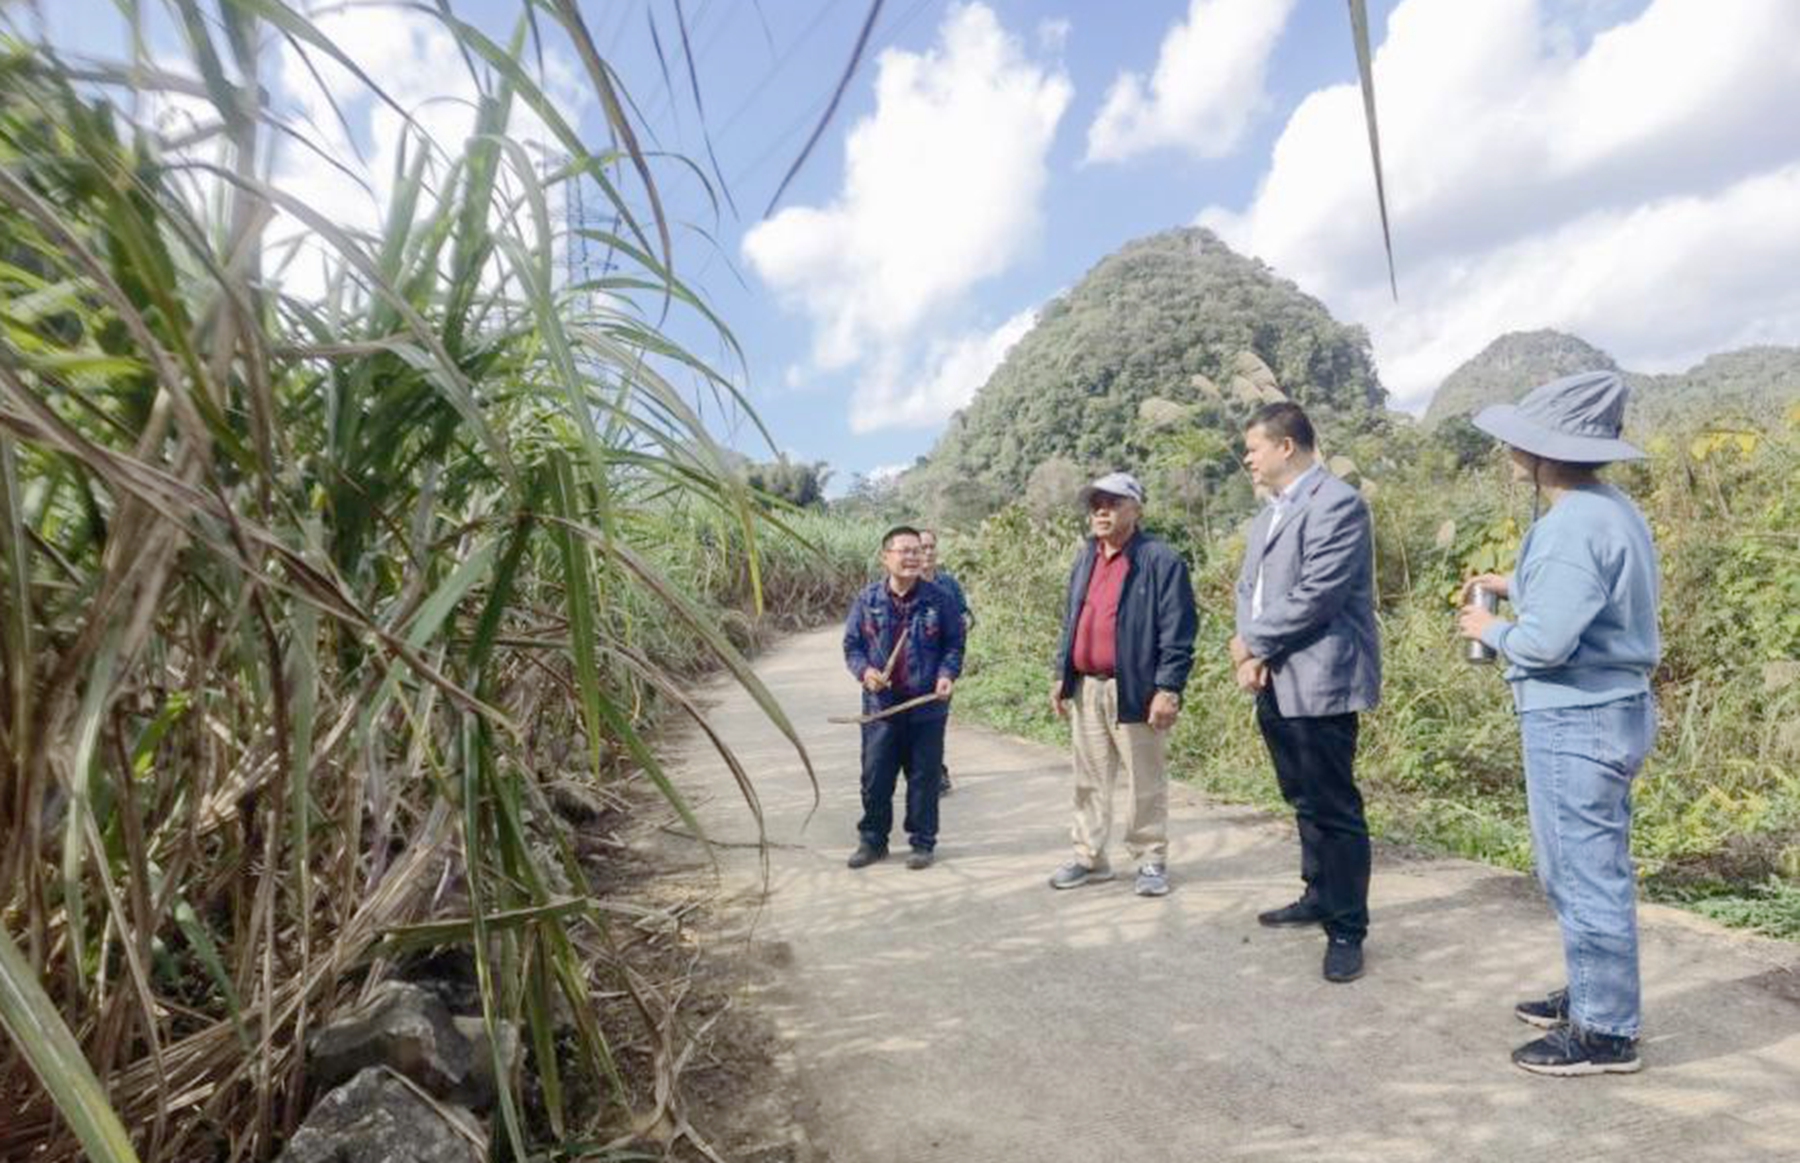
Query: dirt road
[(969, 1013)]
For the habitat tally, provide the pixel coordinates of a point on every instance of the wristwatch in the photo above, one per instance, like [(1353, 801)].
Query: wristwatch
[(1176, 695)]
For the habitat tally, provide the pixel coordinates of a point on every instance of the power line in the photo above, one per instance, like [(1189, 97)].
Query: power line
[(768, 78), (624, 9), (878, 44)]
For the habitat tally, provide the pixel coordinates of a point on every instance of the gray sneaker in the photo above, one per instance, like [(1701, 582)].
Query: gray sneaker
[(1074, 874), (1152, 880)]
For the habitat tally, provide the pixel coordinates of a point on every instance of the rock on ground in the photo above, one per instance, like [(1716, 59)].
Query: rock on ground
[(377, 1118)]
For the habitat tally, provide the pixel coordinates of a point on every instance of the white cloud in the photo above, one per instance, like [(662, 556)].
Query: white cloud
[(882, 473), (1660, 286), (1643, 191), (941, 190), (415, 60), (949, 377), (1207, 87)]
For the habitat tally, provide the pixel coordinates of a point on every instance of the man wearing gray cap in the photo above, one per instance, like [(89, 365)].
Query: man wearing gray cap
[(1580, 650), (1127, 646)]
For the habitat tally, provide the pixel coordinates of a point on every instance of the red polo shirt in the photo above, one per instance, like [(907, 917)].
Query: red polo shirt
[(1097, 629)]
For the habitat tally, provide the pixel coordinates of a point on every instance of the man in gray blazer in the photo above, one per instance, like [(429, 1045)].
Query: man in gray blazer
[(1307, 647)]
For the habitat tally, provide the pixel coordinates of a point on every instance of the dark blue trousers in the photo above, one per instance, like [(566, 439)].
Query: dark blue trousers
[(1314, 766), (890, 746)]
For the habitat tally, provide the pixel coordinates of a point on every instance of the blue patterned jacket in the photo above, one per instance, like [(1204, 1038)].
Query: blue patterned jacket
[(934, 649)]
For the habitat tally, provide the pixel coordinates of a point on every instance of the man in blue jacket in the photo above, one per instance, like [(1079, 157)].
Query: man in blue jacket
[(1127, 646), (1307, 647), (903, 640)]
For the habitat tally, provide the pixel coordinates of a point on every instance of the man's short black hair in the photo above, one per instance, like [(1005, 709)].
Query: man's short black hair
[(1284, 420), (887, 539)]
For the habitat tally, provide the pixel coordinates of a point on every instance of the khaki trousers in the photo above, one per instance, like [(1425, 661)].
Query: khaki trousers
[(1103, 745)]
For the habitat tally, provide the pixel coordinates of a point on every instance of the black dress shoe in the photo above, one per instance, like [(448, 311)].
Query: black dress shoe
[(1343, 959), (1301, 912), (865, 855)]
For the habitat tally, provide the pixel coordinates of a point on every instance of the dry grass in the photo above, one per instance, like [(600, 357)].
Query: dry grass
[(304, 600)]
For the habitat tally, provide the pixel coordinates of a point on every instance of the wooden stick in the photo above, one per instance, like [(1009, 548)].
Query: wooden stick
[(908, 705), (887, 672)]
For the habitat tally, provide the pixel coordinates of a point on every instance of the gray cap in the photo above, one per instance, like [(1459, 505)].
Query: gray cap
[(1575, 419), (1118, 484)]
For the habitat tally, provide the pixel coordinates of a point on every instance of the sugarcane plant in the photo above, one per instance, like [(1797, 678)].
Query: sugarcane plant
[(296, 586)]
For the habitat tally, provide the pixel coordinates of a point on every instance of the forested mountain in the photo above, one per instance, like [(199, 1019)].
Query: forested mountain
[(1153, 360), (1173, 328), (1751, 385), (1510, 366)]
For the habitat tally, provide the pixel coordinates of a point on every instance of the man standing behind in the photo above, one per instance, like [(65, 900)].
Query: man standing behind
[(941, 578), (1306, 644), (1127, 646), (903, 639)]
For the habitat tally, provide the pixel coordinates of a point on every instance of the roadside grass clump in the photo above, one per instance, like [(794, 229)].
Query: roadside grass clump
[(305, 597), (1015, 571), (1771, 908)]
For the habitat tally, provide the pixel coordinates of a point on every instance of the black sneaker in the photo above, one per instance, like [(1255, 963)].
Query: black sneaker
[(1343, 959), (1568, 1051), (1301, 912), (920, 858), (865, 855), (1546, 1013)]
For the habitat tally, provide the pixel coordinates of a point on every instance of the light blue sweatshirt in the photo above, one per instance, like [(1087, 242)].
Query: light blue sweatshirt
[(1585, 592)]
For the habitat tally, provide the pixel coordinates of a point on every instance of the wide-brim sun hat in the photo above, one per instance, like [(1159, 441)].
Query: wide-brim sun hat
[(1114, 484), (1575, 419)]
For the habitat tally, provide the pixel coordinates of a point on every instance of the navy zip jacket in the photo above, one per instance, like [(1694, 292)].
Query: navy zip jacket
[(951, 586), (1155, 643), (934, 649)]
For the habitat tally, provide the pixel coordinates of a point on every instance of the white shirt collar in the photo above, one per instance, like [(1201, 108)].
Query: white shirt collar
[(1285, 496)]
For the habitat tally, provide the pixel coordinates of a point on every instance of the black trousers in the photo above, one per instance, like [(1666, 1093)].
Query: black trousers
[(1314, 760), (890, 746)]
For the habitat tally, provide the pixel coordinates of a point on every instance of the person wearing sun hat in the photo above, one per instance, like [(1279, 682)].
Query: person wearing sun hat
[(1580, 650)]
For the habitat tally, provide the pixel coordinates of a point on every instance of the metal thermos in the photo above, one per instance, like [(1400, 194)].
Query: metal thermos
[(1488, 600)]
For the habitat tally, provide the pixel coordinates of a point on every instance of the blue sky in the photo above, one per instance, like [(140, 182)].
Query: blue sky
[(1625, 169), (1083, 211)]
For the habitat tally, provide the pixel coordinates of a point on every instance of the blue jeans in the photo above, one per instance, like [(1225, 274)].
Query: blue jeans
[(909, 742), (1579, 764)]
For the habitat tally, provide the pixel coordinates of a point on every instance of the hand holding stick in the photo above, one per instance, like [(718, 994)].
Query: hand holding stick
[(878, 682)]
